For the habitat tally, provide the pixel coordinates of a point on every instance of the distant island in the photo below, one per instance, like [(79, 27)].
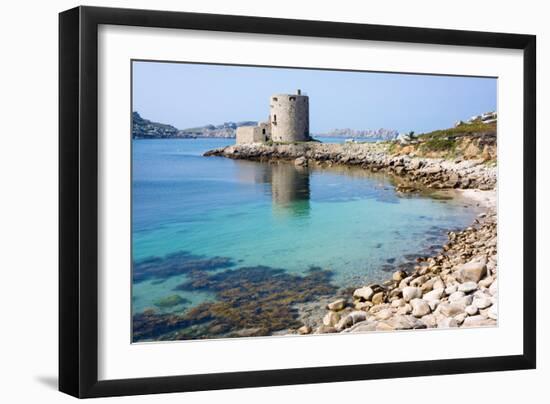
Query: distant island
[(383, 134), (146, 129)]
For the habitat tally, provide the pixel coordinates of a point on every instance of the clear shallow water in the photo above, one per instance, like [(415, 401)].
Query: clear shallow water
[(345, 220)]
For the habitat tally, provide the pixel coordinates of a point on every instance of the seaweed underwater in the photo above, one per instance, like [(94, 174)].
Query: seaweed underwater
[(249, 301)]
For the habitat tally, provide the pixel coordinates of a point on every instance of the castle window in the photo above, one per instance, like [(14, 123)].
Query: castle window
[(274, 118), (292, 98), (263, 131), (275, 99)]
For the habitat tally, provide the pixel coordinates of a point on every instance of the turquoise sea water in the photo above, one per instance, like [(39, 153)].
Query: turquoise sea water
[(344, 220)]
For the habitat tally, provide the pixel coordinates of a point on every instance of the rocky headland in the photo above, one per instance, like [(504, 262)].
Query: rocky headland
[(457, 286), (439, 173)]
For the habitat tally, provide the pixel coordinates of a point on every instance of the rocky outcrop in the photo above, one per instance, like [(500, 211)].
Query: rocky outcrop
[(415, 171)]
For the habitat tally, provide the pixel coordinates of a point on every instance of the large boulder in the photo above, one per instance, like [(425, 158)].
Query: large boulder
[(420, 307), (474, 270)]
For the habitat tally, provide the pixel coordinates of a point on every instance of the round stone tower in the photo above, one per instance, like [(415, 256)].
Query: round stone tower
[(289, 117)]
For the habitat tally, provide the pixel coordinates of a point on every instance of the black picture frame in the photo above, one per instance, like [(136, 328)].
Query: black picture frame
[(78, 200)]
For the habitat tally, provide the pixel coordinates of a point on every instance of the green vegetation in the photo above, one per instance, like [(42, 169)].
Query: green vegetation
[(462, 129), (438, 144)]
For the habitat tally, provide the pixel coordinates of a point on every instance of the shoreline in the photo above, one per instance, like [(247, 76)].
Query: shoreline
[(457, 287), (414, 171)]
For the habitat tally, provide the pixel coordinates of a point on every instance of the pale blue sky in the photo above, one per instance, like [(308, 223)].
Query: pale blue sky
[(189, 95)]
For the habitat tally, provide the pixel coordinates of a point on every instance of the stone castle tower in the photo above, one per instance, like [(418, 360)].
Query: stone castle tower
[(288, 121), (289, 117)]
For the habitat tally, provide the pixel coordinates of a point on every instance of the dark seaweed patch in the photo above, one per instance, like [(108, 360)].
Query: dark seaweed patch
[(250, 301), (176, 264)]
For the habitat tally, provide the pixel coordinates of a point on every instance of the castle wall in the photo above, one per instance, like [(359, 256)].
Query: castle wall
[(289, 116), (251, 134)]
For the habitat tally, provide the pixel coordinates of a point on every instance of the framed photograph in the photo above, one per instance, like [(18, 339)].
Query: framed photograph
[(251, 201)]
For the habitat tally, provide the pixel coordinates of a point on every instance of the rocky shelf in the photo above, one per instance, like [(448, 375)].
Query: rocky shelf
[(437, 173)]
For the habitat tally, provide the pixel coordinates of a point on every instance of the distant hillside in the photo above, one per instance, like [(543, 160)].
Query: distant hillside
[(146, 129), (384, 134), (225, 130)]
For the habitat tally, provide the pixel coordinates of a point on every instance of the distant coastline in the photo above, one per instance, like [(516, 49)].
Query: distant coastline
[(146, 129)]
